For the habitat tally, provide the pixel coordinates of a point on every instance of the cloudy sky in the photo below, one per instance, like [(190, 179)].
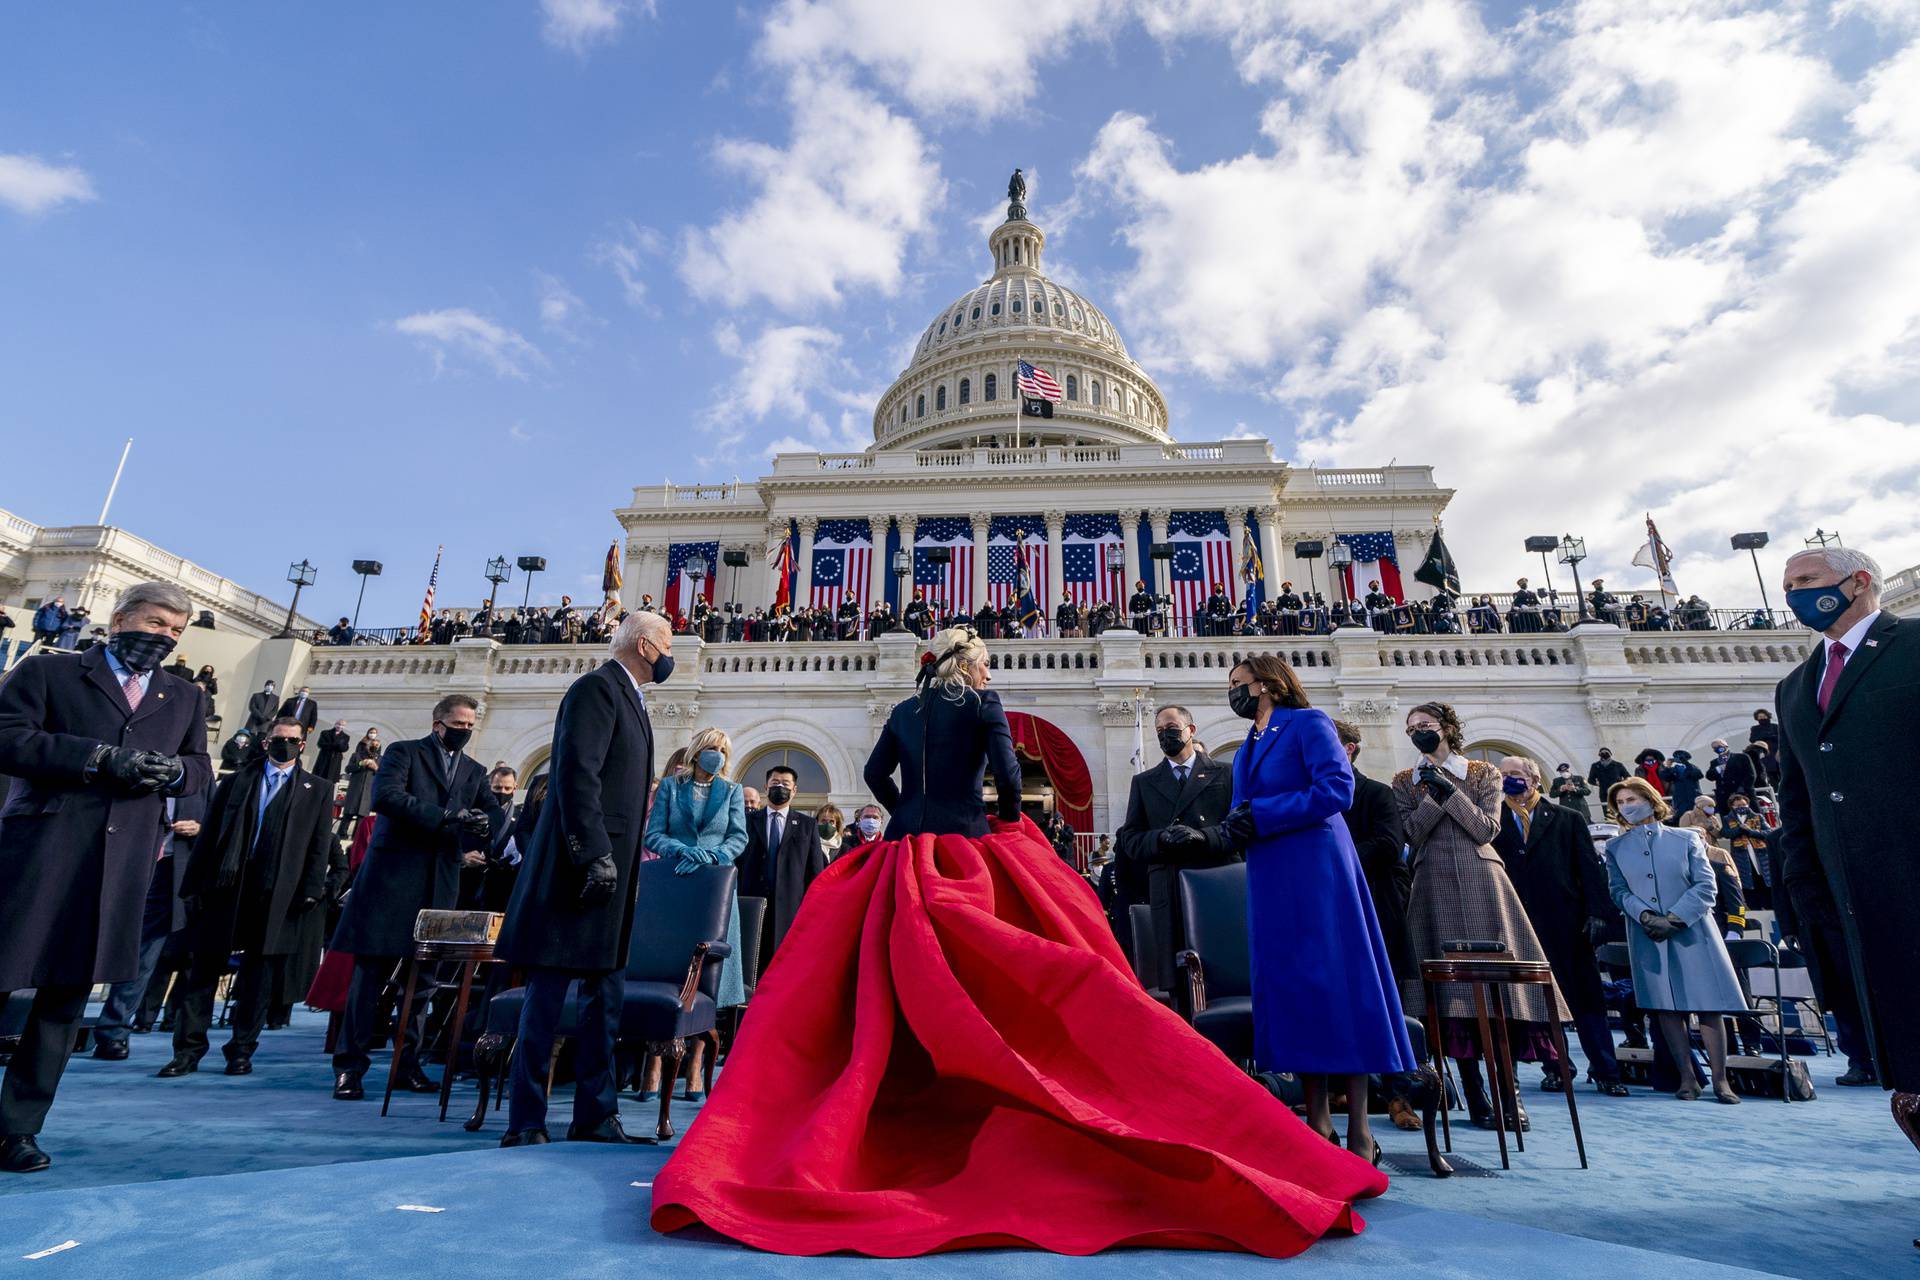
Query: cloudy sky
[(364, 279)]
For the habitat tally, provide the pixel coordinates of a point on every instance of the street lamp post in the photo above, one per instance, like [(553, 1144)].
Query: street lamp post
[(300, 575), (366, 569), (1339, 559), (529, 565), (697, 567), (497, 573), (1117, 566), (1572, 551), (1751, 544)]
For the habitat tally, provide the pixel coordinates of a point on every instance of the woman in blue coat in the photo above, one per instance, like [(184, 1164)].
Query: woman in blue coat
[(699, 819), (1324, 1001)]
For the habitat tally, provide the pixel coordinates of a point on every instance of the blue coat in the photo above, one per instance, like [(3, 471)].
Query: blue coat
[(1665, 869), (714, 836), (1324, 998)]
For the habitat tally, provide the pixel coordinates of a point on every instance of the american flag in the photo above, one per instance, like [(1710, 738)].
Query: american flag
[(1374, 560), (1004, 557), (1202, 560), (1083, 557), (949, 587), (433, 583), (680, 586), (842, 561), (1037, 384)]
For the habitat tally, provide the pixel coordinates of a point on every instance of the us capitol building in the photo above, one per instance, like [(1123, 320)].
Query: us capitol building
[(963, 484)]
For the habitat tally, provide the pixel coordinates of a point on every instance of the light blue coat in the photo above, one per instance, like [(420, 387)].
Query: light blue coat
[(1665, 870), (715, 836)]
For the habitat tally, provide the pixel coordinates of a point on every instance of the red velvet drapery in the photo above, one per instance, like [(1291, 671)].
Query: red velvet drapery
[(1040, 740)]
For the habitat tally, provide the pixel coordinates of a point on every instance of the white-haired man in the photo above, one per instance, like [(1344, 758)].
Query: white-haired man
[(571, 913), (1848, 758), (94, 746)]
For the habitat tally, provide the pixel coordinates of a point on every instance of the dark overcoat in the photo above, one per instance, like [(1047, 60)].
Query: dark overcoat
[(596, 806), (928, 738), (288, 864), (333, 753), (413, 861), (782, 875), (1373, 820), (1157, 800), (76, 859), (1846, 832), (1562, 882)]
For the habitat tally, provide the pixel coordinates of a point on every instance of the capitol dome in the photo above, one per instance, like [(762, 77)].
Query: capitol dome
[(958, 391)]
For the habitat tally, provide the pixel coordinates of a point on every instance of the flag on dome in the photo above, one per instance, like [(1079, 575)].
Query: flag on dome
[(1656, 555), (1374, 560), (1202, 561), (1037, 384), (426, 605)]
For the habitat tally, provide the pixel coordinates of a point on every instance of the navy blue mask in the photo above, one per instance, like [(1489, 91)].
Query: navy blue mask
[(1817, 607)]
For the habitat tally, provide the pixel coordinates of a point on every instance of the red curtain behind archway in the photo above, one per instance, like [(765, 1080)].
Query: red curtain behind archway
[(1040, 740)]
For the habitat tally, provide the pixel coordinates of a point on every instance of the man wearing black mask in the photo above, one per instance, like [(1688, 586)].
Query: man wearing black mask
[(259, 866), (93, 746), (782, 858), (432, 803), (261, 709), (1173, 820), (1606, 771)]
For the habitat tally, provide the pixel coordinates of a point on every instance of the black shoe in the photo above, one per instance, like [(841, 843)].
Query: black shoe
[(240, 1066), (19, 1153), (180, 1066), (1857, 1076), (111, 1050), (142, 1028), (526, 1138), (413, 1080), (1551, 1083), (346, 1087), (1612, 1088), (607, 1130)]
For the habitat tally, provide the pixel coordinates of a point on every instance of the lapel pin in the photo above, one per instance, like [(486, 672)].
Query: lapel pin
[(1873, 644)]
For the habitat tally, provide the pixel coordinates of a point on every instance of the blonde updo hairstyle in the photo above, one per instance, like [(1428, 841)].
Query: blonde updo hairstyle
[(950, 657), (719, 741)]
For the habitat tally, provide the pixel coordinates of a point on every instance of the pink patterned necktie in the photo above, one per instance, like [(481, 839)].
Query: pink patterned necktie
[(1836, 663), (131, 688)]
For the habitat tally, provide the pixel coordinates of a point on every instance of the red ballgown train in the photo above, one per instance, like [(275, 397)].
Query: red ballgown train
[(950, 1052)]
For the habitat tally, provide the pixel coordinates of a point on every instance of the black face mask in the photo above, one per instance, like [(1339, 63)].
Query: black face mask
[(1425, 741), (1173, 739), (453, 739), (284, 750), (1243, 700), (504, 797), (141, 651), (779, 795)]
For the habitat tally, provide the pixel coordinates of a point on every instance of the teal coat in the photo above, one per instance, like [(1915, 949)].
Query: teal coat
[(715, 836)]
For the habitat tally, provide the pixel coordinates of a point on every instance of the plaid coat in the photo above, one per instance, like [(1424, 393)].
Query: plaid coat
[(1461, 891)]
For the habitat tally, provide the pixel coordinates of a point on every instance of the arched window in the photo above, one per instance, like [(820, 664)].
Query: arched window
[(976, 313), (995, 309), (1058, 310), (1016, 304), (810, 782), (1093, 389), (966, 391), (943, 326), (993, 387), (920, 407), (939, 398), (956, 319), (1073, 387), (903, 411)]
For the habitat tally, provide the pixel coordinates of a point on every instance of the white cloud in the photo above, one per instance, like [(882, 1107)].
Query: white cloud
[(577, 25), (460, 333), (833, 212), (30, 185), (626, 254), (560, 308)]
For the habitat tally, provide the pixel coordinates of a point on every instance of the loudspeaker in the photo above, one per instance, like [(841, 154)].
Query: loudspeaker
[(1309, 550), (939, 555), (736, 559), (532, 564), (1547, 543), (369, 567), (1749, 541), (1160, 551)]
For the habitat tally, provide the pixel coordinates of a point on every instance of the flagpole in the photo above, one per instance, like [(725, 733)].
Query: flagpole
[(115, 486)]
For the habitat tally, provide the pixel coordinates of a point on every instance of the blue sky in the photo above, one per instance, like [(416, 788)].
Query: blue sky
[(364, 279)]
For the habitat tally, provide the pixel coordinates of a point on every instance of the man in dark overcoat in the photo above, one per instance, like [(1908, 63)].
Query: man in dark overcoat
[(1848, 757), (93, 744), (782, 858), (259, 865), (1562, 883), (1379, 838), (165, 915), (432, 803), (1173, 821), (334, 743), (571, 914), (262, 707)]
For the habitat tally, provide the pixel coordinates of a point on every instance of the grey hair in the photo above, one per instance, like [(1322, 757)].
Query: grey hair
[(163, 595), (632, 629), (1846, 560), (1528, 763)]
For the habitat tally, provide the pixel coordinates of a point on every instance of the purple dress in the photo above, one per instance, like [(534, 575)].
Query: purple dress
[(1324, 998)]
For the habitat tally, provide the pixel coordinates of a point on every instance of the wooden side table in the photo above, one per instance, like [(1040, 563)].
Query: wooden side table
[(470, 956), (1487, 976)]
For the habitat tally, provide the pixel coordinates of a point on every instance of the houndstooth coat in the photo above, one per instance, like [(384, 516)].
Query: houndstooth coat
[(1461, 891)]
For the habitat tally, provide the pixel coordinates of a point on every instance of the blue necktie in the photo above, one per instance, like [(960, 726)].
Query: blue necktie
[(270, 787)]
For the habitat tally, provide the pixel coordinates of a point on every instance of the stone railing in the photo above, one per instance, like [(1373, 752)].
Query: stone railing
[(1706, 647), (1030, 458), (1479, 651)]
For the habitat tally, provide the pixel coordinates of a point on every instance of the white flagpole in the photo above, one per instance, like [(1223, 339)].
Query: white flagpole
[(114, 487)]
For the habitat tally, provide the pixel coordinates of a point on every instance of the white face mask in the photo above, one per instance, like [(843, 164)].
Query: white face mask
[(869, 827), (1635, 811)]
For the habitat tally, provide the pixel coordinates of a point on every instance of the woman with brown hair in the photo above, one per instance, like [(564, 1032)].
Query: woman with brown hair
[(1450, 807)]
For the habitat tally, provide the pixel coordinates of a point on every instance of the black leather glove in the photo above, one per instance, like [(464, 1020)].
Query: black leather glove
[(117, 768), (303, 905), (1238, 826), (1596, 931), (1437, 783), (602, 879), (1179, 835), (450, 818), (158, 771), (1676, 926), (1656, 926), (474, 822)]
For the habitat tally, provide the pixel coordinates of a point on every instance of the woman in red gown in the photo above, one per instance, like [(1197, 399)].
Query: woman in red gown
[(951, 1052)]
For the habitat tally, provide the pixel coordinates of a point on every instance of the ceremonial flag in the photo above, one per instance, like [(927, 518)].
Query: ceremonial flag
[(1437, 570), (681, 588), (1037, 384), (949, 586), (1028, 608), (1374, 560), (1654, 555), (1010, 539), (1083, 556), (842, 562), (426, 605), (1253, 573), (610, 576), (1202, 560)]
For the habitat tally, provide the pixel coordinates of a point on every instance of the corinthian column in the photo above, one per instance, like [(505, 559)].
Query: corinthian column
[(1130, 543), (879, 568), (1056, 560), (803, 571), (1236, 547), (979, 575)]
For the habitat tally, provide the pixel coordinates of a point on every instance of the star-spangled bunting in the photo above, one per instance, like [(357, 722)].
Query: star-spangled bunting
[(680, 586), (1083, 559), (1202, 561)]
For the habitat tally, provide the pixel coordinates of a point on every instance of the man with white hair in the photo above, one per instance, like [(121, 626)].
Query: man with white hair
[(571, 913), (94, 746), (1848, 760)]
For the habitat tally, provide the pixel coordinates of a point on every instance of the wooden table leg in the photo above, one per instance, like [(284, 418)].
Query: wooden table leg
[(454, 1032), (1493, 1071), (1509, 1077), (1566, 1080), (400, 1030), (1437, 1050)]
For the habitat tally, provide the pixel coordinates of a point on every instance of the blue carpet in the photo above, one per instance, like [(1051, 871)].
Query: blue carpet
[(268, 1175)]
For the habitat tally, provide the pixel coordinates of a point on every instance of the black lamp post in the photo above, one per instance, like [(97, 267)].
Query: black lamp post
[(497, 573), (1339, 558), (1545, 545), (366, 569), (300, 575), (1117, 566), (1751, 544), (529, 565), (697, 567), (1572, 551)]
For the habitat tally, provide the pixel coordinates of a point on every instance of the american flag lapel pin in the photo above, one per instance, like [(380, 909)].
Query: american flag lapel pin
[(1873, 644)]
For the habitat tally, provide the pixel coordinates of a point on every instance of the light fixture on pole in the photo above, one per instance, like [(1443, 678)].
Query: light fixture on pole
[(497, 573), (735, 560), (1751, 544), (1572, 551), (366, 569), (1310, 551), (300, 575), (1821, 538), (529, 565), (1117, 566), (697, 568), (1545, 545), (1339, 560)]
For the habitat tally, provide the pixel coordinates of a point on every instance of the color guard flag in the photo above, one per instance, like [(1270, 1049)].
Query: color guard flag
[(1656, 556), (426, 605), (610, 577)]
